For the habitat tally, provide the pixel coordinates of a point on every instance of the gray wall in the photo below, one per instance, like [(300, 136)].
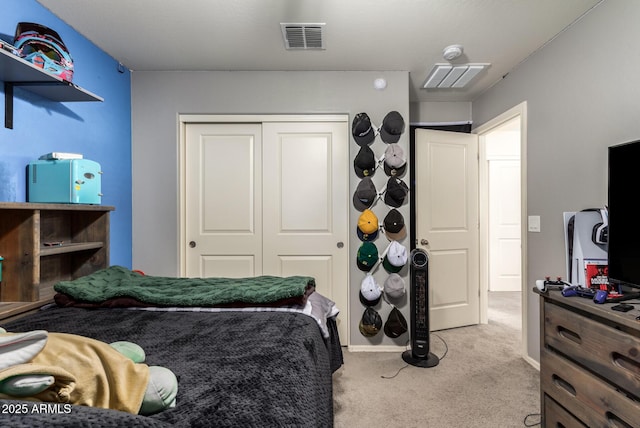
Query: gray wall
[(583, 95), (440, 112), (159, 97)]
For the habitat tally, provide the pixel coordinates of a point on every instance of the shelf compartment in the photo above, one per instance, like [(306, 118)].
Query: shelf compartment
[(17, 243), (70, 248), (66, 267)]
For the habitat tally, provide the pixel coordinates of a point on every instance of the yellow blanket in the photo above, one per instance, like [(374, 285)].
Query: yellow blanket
[(87, 372)]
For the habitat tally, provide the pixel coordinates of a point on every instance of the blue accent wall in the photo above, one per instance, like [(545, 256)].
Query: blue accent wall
[(101, 131)]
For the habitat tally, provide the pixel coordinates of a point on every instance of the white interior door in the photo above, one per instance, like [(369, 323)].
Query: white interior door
[(223, 199), (447, 224), (305, 210), (504, 225)]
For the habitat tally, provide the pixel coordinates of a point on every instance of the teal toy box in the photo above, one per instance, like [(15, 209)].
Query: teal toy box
[(65, 181)]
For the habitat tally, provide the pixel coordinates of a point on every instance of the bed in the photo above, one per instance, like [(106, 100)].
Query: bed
[(237, 362)]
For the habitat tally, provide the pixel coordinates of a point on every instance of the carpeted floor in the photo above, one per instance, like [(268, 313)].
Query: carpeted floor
[(480, 381)]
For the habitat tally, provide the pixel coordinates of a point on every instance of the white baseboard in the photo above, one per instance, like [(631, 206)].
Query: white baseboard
[(534, 363), (376, 348)]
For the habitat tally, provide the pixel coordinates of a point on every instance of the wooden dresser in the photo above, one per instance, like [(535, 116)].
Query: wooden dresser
[(589, 363), (45, 243)]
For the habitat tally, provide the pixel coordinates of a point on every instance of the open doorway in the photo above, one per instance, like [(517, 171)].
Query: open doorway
[(502, 170), (511, 306)]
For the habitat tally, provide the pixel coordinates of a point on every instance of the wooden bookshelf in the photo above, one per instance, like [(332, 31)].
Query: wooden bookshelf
[(77, 244)]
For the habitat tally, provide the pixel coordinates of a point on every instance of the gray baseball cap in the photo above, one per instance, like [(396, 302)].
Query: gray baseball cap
[(365, 194), (394, 286)]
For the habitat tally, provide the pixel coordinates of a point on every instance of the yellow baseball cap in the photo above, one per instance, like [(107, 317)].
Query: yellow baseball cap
[(368, 226)]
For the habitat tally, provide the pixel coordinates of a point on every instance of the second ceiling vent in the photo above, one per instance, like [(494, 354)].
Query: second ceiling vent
[(303, 36)]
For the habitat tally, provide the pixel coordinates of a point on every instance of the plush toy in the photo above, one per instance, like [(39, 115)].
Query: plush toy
[(58, 367)]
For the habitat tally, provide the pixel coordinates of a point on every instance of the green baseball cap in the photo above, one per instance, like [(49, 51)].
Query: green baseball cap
[(367, 256)]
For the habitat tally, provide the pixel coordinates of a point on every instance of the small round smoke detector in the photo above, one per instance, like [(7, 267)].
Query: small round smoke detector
[(452, 52), (380, 83)]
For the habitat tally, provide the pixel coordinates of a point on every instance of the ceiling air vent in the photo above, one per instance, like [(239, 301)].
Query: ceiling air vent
[(303, 36)]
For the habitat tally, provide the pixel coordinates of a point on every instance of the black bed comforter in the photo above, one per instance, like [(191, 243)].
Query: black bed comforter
[(234, 369)]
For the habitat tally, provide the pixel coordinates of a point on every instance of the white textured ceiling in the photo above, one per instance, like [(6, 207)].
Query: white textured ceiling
[(370, 35)]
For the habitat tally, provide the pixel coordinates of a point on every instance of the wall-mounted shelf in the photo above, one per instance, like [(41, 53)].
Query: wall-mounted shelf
[(15, 71)]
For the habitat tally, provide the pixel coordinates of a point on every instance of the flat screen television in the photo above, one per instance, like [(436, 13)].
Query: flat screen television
[(624, 217)]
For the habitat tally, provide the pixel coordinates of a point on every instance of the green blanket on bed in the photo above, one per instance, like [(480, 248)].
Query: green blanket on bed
[(117, 281)]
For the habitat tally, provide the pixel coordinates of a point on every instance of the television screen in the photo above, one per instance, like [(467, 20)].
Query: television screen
[(624, 219)]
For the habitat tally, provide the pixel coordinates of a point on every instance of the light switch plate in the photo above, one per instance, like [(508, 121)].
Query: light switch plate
[(534, 223)]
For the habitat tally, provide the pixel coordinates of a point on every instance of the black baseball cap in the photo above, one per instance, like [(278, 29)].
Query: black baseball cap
[(396, 192), (370, 323), (364, 163), (396, 324), (361, 129), (394, 227), (392, 127)]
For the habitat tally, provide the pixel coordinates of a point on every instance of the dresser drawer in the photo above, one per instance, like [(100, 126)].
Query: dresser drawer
[(556, 416), (590, 399), (610, 353)]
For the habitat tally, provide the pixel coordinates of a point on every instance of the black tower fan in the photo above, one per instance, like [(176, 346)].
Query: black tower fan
[(419, 354)]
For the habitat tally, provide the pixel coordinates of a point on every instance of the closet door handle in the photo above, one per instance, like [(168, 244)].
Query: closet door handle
[(192, 244), (340, 244), (424, 242)]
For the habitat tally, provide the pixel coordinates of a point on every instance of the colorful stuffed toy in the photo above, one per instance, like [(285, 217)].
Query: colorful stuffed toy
[(71, 369)]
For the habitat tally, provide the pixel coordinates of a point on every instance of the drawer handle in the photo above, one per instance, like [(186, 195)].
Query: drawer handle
[(561, 383), (615, 421), (626, 363), (569, 334)]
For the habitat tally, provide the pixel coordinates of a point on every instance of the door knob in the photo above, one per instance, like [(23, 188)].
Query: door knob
[(340, 244), (424, 242), (192, 244)]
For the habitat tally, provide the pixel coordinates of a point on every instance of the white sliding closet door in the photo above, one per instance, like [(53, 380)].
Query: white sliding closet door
[(223, 197), (305, 210), (269, 198)]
